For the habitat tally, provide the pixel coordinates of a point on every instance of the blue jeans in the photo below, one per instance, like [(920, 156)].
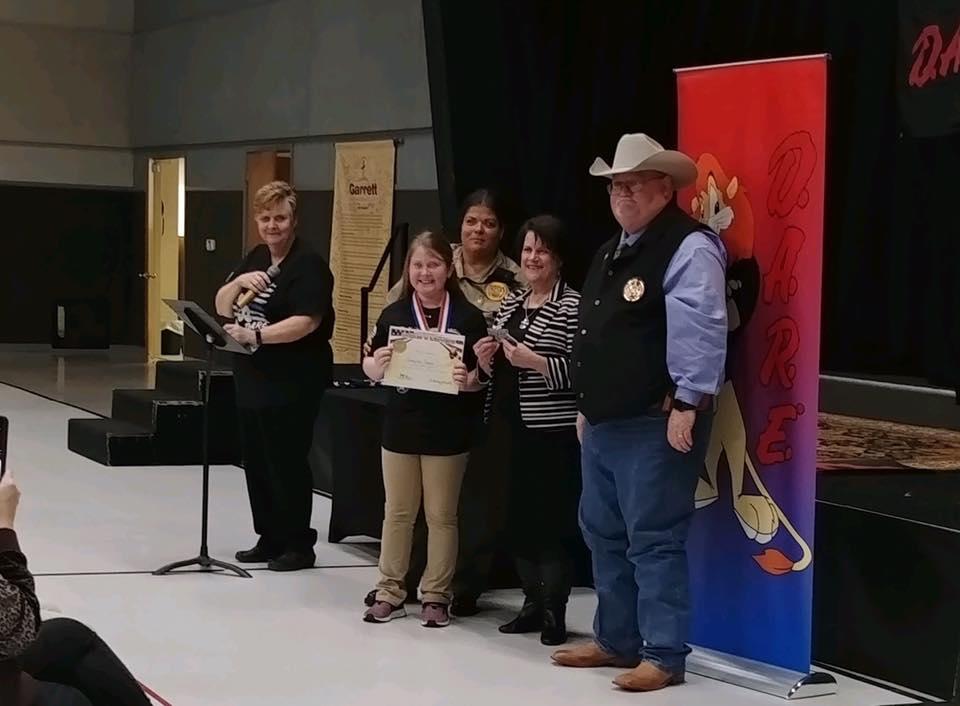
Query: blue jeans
[(635, 513)]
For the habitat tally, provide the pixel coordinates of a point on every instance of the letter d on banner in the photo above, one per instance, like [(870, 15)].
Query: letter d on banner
[(757, 131)]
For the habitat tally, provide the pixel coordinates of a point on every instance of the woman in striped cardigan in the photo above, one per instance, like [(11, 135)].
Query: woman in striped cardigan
[(530, 406)]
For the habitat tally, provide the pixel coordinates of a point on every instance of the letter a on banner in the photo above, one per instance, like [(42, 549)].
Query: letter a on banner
[(757, 131)]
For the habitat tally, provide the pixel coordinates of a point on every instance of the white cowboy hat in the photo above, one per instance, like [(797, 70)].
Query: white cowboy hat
[(637, 151)]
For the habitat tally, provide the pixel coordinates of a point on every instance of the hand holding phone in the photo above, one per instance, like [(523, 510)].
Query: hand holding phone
[(4, 426), (9, 493)]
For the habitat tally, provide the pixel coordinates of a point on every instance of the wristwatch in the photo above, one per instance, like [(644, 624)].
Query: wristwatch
[(682, 406), (259, 338)]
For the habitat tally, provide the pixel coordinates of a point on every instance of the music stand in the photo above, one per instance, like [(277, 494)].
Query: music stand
[(216, 338)]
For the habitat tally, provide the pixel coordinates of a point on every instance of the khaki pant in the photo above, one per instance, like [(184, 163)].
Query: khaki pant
[(407, 478)]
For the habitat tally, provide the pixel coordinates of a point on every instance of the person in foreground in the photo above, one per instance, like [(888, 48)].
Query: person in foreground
[(287, 325), (533, 410), (648, 360), (58, 662), (426, 436)]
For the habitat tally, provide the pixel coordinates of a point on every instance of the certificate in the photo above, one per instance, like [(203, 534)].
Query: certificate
[(423, 360)]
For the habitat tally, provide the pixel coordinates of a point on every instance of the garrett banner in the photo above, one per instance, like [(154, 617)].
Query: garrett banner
[(757, 132), (362, 221), (928, 66)]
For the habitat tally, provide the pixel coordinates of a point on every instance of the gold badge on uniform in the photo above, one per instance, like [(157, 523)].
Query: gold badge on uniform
[(633, 289), (496, 291)]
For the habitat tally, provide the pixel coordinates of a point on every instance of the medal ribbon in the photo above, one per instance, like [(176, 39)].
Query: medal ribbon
[(444, 313)]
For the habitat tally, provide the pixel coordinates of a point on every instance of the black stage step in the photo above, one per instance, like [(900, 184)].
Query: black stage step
[(157, 410), (110, 442), (164, 425)]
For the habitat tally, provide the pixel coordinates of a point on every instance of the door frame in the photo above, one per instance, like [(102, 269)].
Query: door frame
[(148, 276), (250, 237)]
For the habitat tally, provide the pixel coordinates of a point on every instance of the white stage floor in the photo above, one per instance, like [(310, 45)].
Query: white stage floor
[(93, 534)]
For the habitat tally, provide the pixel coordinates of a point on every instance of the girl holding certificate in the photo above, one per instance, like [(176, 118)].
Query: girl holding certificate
[(426, 435)]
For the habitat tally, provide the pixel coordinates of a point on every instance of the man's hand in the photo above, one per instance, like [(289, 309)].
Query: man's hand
[(9, 499), (581, 422), (680, 430)]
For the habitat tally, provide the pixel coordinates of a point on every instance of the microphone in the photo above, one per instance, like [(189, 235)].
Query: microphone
[(249, 295)]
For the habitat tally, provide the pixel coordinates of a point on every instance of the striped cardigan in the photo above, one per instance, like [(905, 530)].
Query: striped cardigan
[(546, 401)]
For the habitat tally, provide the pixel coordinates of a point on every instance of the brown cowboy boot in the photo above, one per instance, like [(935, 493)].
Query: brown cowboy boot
[(647, 677), (589, 654)]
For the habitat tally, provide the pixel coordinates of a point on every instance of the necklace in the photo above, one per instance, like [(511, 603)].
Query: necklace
[(528, 309)]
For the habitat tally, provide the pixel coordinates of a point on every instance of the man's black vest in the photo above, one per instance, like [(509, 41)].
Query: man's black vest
[(620, 352)]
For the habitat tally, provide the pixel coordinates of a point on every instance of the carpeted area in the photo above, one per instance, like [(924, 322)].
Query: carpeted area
[(854, 442)]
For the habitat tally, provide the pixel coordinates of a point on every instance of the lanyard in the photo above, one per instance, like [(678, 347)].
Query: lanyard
[(422, 319)]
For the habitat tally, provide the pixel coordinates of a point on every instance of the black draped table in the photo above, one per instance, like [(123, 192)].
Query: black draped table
[(346, 460)]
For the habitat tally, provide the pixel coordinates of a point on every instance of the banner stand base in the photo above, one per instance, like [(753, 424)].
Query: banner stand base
[(758, 676)]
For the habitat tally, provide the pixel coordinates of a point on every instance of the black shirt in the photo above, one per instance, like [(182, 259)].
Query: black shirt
[(284, 373), (432, 423)]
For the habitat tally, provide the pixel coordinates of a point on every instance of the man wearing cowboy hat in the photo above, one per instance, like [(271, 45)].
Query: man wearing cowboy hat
[(648, 360)]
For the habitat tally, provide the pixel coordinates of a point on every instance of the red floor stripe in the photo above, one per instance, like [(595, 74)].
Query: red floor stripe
[(154, 695)]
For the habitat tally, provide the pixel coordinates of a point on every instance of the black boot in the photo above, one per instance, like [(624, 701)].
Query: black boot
[(554, 625), (530, 619)]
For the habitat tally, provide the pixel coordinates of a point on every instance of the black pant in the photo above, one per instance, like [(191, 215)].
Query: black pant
[(276, 446), (546, 575), (542, 519), (70, 654)]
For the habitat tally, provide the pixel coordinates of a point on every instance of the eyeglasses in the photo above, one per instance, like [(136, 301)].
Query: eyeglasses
[(624, 188)]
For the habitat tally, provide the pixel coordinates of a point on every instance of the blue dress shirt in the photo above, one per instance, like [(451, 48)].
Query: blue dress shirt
[(695, 287)]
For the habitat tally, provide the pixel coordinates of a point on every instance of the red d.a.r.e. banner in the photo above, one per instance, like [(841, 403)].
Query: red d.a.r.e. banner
[(757, 133)]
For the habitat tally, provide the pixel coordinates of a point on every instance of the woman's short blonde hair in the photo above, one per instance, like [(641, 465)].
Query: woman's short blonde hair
[(272, 195)]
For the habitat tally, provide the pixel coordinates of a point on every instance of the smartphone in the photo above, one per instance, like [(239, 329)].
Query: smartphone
[(4, 426)]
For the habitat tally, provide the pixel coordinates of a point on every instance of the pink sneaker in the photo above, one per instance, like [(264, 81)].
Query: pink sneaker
[(383, 612), (434, 615)]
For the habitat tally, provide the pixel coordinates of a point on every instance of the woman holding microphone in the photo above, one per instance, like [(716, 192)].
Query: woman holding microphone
[(285, 315), (426, 436)]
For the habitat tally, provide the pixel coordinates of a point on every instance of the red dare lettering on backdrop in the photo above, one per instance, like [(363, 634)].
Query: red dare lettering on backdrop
[(781, 277), (769, 449), (791, 167), (931, 61), (784, 337)]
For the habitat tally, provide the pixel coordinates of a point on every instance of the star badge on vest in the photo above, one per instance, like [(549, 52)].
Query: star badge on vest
[(496, 291), (633, 290)]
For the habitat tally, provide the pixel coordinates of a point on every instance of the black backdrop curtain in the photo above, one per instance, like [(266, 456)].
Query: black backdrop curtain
[(526, 93)]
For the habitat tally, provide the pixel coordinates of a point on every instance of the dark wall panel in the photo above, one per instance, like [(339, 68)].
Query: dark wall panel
[(314, 216), (71, 244), (216, 215)]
